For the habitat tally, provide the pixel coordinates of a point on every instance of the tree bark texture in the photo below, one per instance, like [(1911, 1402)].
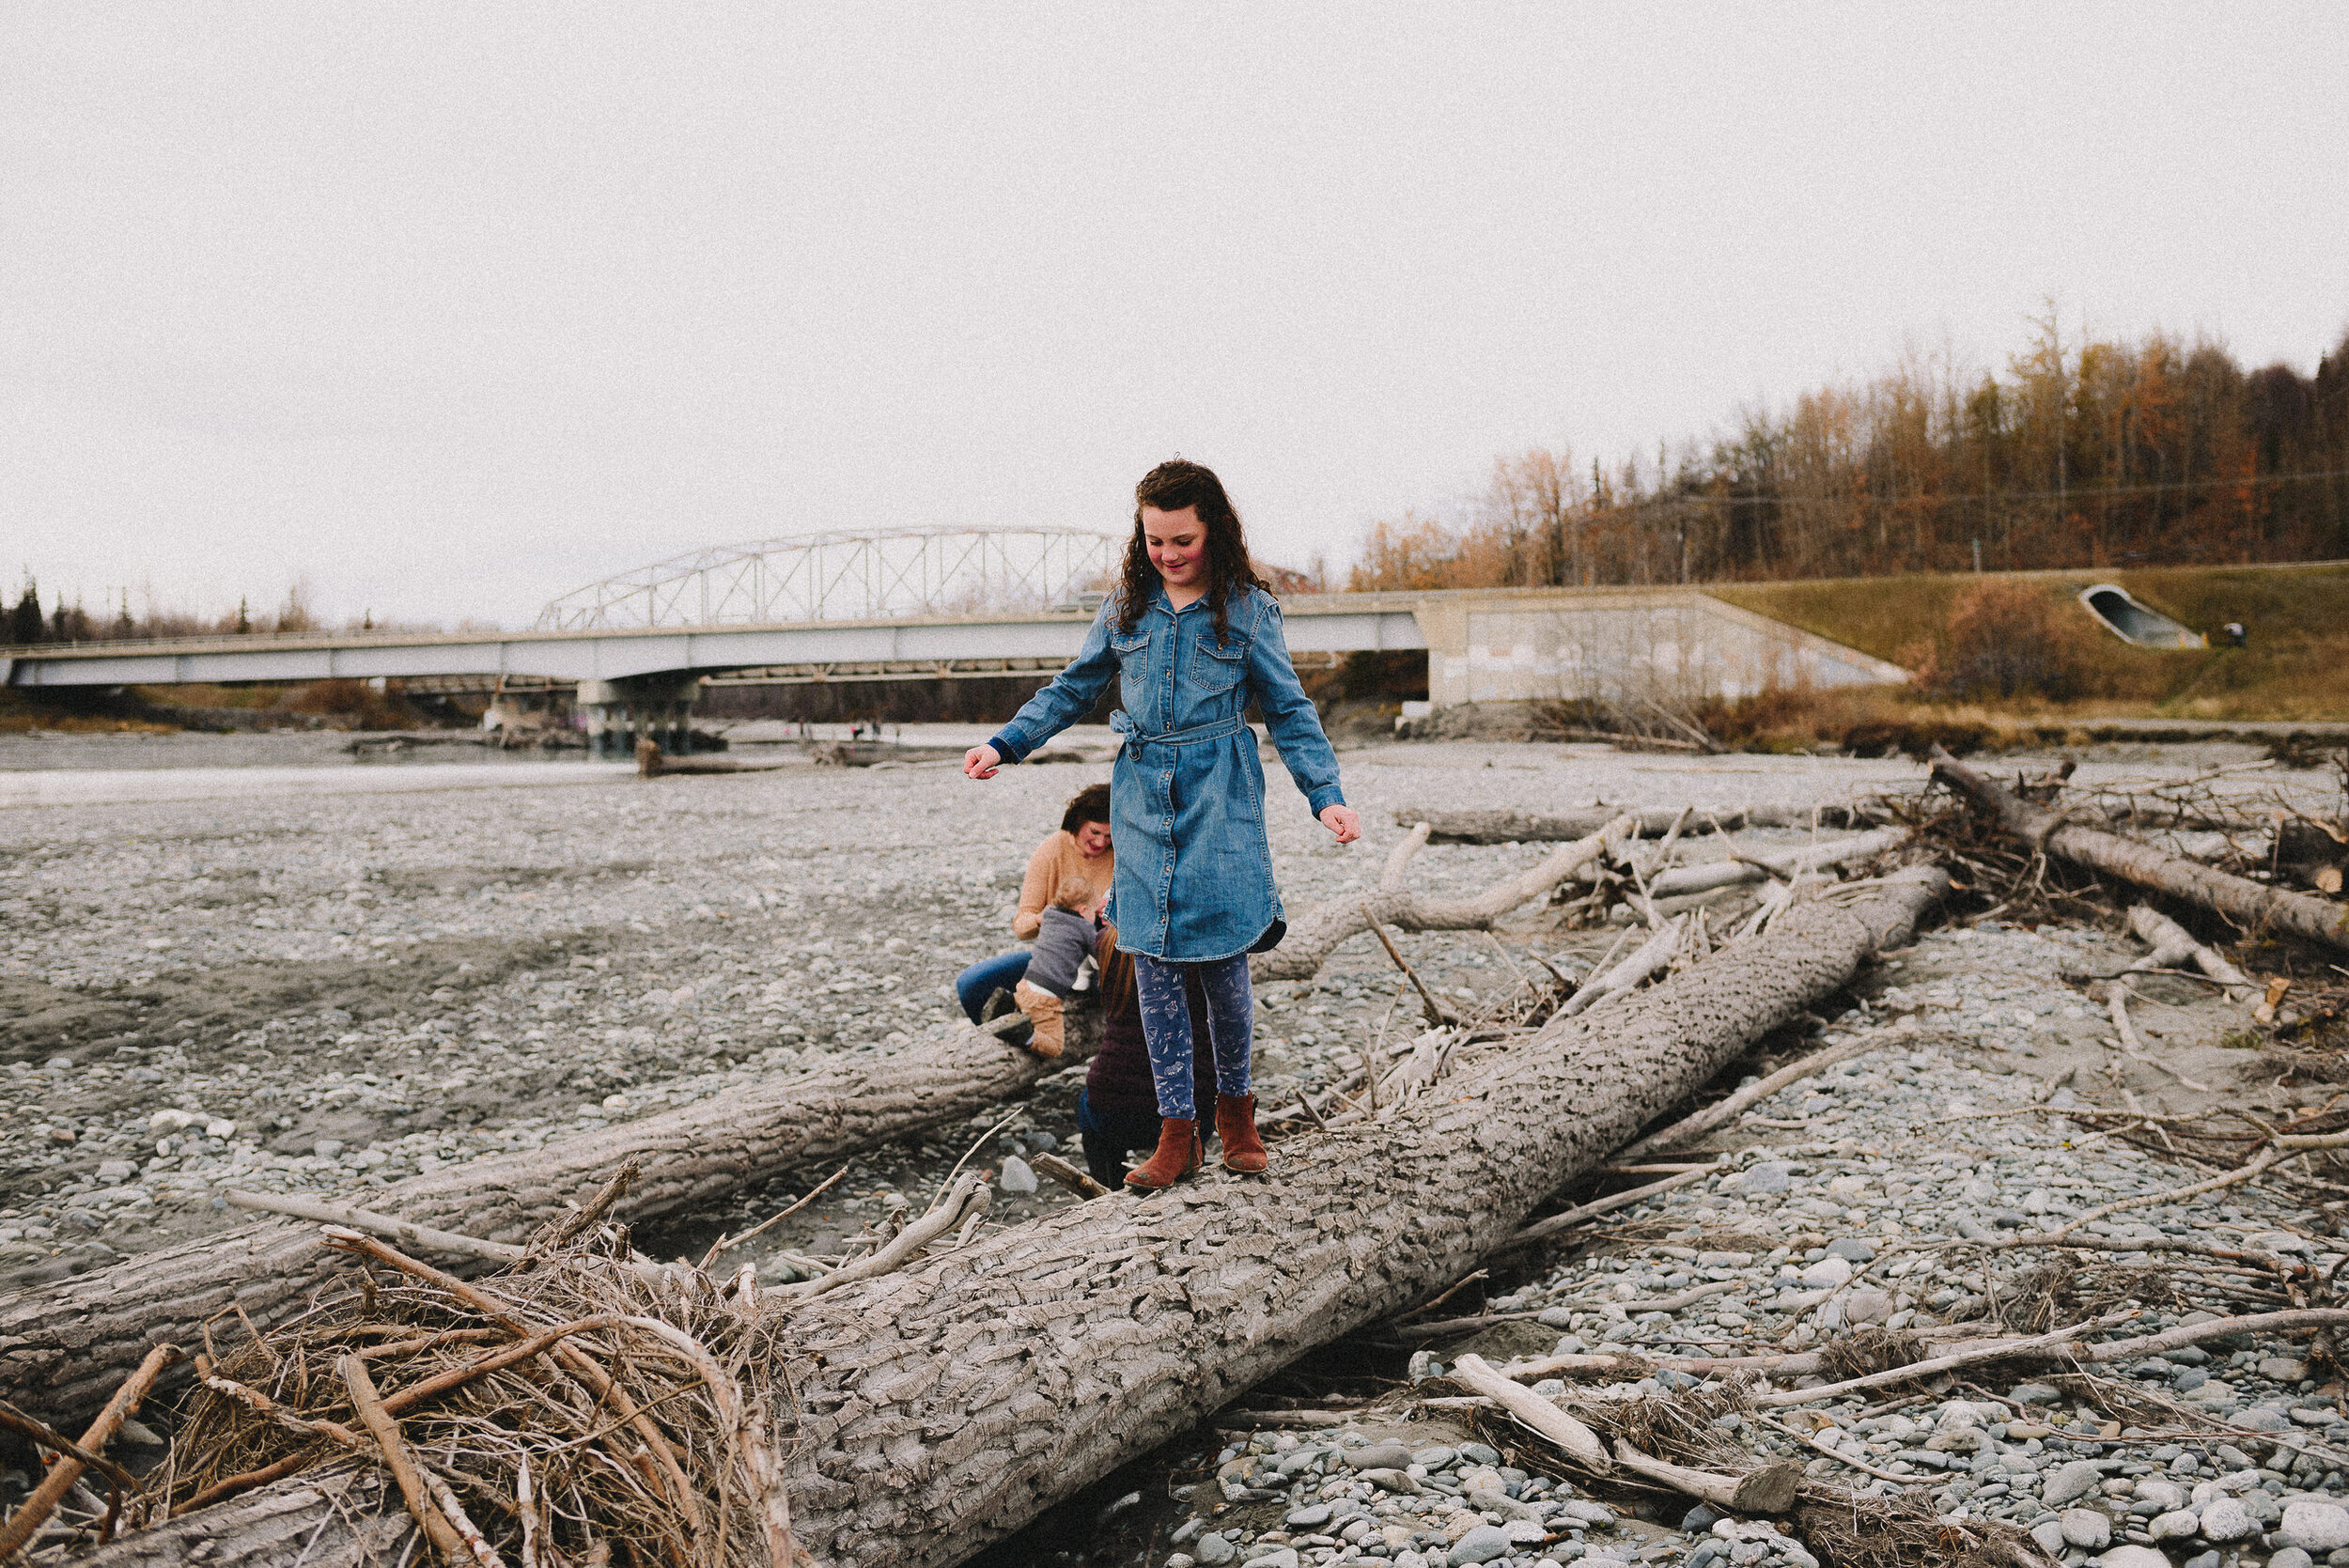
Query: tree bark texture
[(2251, 906), (1525, 826), (1319, 930), (64, 1346), (942, 1408)]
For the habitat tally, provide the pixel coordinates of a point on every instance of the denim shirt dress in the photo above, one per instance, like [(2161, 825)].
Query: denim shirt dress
[(1187, 803)]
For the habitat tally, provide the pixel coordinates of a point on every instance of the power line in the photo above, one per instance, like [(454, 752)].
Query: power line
[(1944, 498)]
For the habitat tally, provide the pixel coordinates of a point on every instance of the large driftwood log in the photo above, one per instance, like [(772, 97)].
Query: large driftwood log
[(1528, 827), (940, 1409), (63, 1346), (2251, 906), (1319, 930)]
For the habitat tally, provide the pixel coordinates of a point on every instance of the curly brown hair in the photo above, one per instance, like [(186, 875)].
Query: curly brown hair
[(1089, 804), (1171, 487)]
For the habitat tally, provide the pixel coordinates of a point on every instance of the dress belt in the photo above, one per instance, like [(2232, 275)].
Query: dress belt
[(1135, 741)]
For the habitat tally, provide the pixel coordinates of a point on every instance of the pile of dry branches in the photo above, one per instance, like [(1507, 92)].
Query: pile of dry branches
[(581, 1411)]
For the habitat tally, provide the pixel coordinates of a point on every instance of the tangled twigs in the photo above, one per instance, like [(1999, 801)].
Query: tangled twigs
[(37, 1507), (745, 1426), (614, 1415)]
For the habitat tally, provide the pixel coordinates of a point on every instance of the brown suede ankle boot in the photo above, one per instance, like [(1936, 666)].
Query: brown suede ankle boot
[(1236, 1129), (1178, 1156)]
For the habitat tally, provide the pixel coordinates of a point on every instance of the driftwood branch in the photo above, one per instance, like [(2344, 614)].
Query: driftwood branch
[(1769, 1490), (1517, 827), (1698, 1124), (2252, 905), (1077, 1181), (1318, 933), (1537, 1414), (385, 1225), (2172, 944)]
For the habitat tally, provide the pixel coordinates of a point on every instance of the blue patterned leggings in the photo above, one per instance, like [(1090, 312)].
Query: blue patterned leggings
[(1166, 1027)]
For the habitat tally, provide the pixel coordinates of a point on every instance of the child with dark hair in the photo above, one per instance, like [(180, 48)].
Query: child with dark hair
[(1194, 636)]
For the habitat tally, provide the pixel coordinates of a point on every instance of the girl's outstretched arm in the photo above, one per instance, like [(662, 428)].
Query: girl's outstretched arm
[(1067, 699), (1296, 728)]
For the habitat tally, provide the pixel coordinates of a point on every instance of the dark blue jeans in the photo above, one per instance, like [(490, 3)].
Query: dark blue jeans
[(982, 980)]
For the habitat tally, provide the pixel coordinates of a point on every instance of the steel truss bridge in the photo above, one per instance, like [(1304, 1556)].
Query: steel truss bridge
[(941, 570)]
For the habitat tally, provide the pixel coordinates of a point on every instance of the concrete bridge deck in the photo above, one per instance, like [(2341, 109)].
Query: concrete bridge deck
[(1482, 645)]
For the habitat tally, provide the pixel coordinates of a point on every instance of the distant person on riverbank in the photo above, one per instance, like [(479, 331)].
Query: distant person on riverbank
[(1080, 848), (1193, 635)]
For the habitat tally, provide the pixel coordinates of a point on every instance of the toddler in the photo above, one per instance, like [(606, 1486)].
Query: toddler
[(1056, 964)]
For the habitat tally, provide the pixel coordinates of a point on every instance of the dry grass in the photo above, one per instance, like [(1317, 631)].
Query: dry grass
[(2293, 668)]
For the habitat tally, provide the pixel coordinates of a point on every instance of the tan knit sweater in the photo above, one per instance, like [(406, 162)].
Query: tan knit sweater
[(1056, 858)]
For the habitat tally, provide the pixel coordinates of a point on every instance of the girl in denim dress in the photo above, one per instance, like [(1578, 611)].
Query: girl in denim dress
[(1194, 636)]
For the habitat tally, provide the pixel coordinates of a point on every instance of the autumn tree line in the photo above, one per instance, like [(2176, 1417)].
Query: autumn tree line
[(2094, 453)]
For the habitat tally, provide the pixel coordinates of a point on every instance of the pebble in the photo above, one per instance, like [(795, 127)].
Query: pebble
[(1481, 1544), (2133, 1557), (1017, 1175), (2313, 1526), (2086, 1528)]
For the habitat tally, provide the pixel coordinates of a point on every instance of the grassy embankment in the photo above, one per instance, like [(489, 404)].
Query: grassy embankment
[(2296, 668)]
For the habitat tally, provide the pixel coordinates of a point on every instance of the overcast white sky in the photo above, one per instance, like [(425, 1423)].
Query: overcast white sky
[(454, 307)]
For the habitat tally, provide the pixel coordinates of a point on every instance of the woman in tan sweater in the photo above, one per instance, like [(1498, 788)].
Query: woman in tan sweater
[(1080, 848)]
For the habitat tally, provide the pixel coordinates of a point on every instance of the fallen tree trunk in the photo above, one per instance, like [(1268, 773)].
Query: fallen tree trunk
[(63, 1346), (941, 1408), (1525, 826), (2251, 906), (1319, 930)]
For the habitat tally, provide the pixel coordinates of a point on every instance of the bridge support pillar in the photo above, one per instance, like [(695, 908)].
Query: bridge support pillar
[(657, 708)]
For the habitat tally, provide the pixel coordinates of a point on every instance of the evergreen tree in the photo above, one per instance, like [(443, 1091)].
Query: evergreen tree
[(25, 621)]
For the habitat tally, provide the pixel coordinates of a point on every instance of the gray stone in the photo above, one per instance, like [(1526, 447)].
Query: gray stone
[(2202, 1560), (2034, 1393), (2226, 1519), (1556, 1317), (1277, 1557), (2132, 1557), (2085, 1527), (1481, 1545), (1852, 1250), (1827, 1273), (1214, 1551), (1016, 1175), (2049, 1534), (2073, 1479), (2291, 1557), (1434, 1458), (2179, 1524), (1311, 1516), (1591, 1515), (1770, 1176), (1376, 1456), (2313, 1526), (1477, 1453)]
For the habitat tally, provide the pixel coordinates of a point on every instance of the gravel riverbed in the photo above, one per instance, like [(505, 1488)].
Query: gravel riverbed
[(324, 992)]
